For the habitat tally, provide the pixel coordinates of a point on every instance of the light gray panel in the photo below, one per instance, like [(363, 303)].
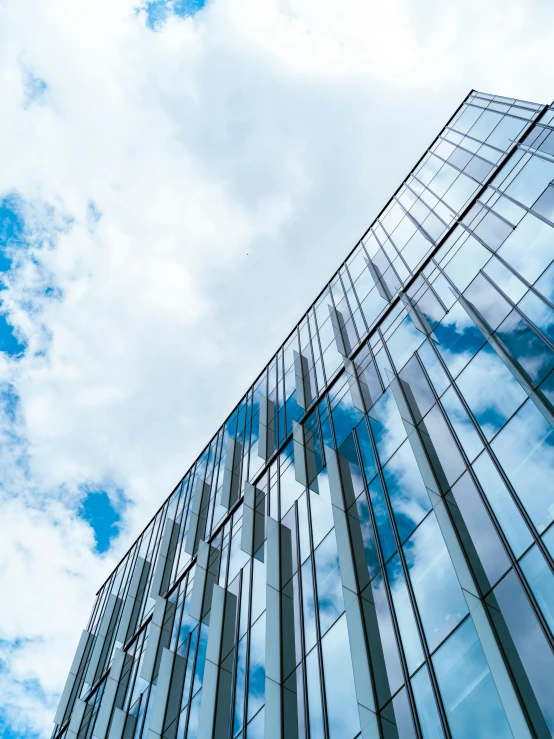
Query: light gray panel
[(380, 284), (123, 725), (253, 519), (114, 690), (418, 318), (133, 602), (80, 709), (167, 699), (215, 706), (304, 395), (231, 474), (103, 641), (359, 390), (205, 577), (166, 556), (159, 636), (305, 470), (339, 329), (198, 517), (72, 683), (266, 433)]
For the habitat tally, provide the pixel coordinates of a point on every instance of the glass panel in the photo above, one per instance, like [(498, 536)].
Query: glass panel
[(490, 391), (382, 518), (398, 715), (256, 668), (361, 511), (388, 431), (404, 614), (329, 584), (463, 426), (342, 708), (309, 605), (506, 512), (531, 181), (386, 633), (529, 248), (314, 696), (240, 675), (525, 450), (526, 346), (469, 695), (438, 594), (483, 535), (533, 649), (429, 719), (408, 495), (459, 339), (541, 581)]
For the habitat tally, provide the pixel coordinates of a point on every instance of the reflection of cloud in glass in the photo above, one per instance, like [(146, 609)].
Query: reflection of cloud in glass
[(389, 431), (525, 449), (256, 670), (329, 584), (342, 709), (439, 597), (408, 495), (490, 391), (470, 698), (387, 636)]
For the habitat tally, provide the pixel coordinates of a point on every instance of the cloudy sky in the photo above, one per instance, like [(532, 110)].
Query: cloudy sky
[(177, 181)]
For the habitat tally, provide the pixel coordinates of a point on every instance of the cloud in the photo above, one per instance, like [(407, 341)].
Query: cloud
[(185, 191)]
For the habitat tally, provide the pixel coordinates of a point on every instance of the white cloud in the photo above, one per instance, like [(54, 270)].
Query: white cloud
[(235, 157)]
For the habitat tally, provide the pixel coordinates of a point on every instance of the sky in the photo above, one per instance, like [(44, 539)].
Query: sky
[(178, 180)]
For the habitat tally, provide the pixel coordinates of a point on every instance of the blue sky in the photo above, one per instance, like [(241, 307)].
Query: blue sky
[(11, 235), (158, 11), (176, 186)]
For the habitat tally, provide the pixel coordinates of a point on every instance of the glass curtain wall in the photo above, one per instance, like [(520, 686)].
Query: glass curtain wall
[(366, 546)]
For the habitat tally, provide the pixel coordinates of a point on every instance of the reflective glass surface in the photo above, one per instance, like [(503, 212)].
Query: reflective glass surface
[(366, 544)]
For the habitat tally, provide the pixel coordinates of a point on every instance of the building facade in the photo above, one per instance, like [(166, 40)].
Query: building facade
[(366, 548)]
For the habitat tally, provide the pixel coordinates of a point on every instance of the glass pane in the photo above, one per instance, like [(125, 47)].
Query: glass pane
[(483, 535), (526, 347), (314, 696), (438, 594), (398, 715), (541, 581), (408, 495), (533, 649), (386, 633), (309, 605), (240, 676), (490, 391), (429, 719), (329, 584), (404, 614), (525, 449), (506, 512), (469, 695), (382, 518), (256, 668), (463, 426), (342, 708), (459, 339)]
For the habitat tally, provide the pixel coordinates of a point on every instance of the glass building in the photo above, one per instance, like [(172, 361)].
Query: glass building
[(365, 548)]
